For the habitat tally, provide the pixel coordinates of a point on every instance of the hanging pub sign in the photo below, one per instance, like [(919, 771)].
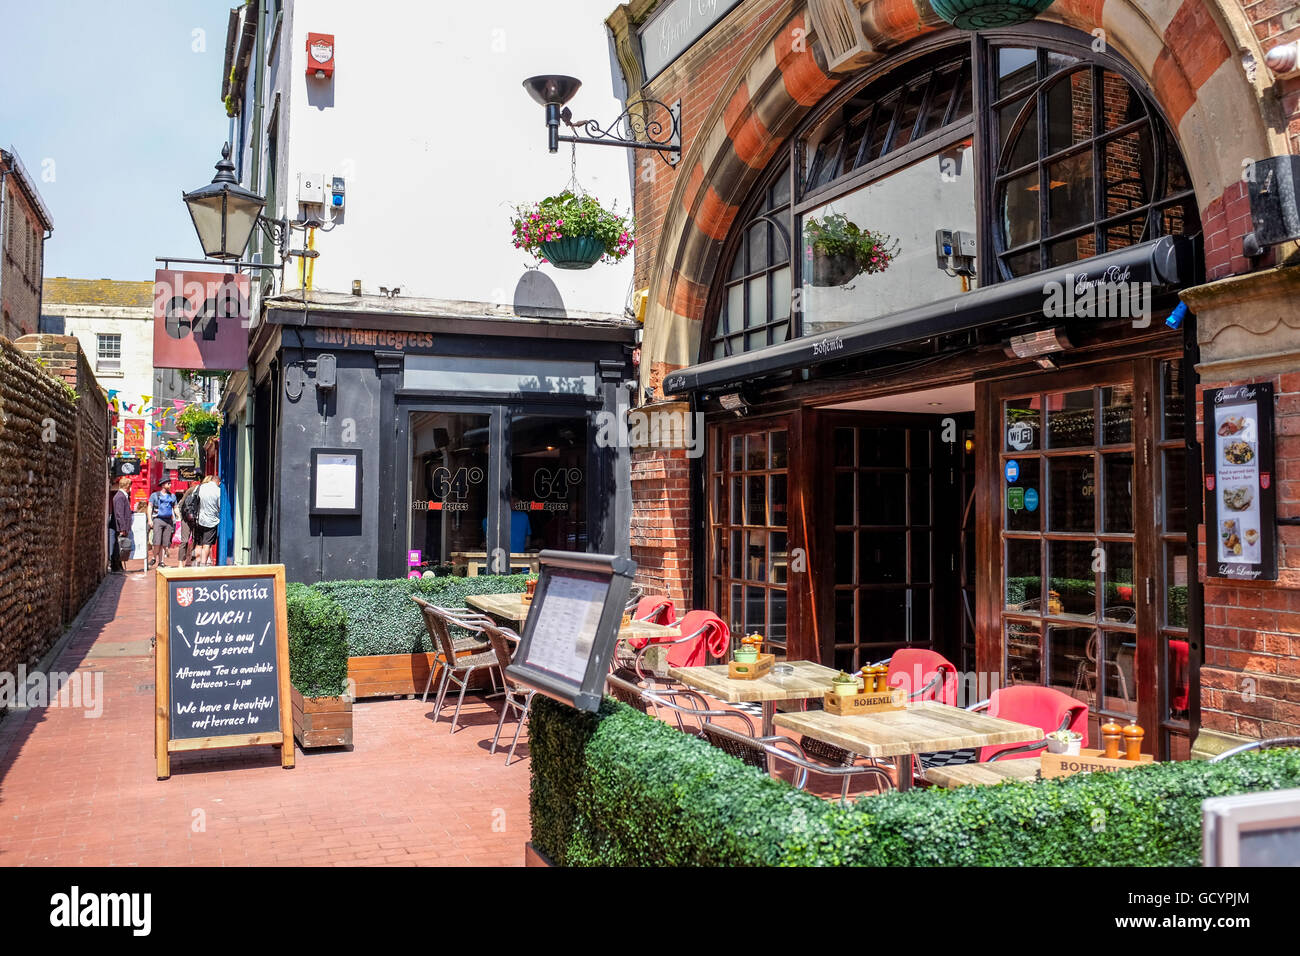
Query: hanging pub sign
[(1240, 496), (572, 626), (200, 320), (222, 661)]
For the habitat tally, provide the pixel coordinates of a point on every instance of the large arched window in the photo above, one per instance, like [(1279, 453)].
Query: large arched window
[(1017, 157)]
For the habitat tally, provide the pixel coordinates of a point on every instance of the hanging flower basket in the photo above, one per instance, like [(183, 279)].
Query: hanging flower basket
[(571, 231), (577, 252), (988, 14), (840, 251)]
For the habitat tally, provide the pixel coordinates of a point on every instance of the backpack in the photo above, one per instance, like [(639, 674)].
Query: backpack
[(190, 507)]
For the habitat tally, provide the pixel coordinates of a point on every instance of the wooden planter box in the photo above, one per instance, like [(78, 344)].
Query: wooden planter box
[(321, 721), (396, 675)]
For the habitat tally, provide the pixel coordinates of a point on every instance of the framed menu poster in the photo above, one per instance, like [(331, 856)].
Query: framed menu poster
[(1240, 497), (335, 481), (572, 626)]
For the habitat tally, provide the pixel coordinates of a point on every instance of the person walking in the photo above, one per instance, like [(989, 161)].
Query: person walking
[(120, 521), (162, 521), (209, 518), (188, 510)]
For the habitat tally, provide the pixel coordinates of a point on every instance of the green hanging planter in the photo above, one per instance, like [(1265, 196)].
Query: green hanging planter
[(988, 14), (573, 252)]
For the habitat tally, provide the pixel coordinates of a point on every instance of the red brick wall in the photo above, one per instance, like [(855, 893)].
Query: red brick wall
[(22, 263), (1250, 676), (661, 523)]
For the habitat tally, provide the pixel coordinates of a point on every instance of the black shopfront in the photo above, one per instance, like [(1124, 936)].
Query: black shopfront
[(473, 439)]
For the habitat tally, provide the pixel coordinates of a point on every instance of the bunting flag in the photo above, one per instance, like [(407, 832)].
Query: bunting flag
[(177, 404), (112, 394), (146, 399)]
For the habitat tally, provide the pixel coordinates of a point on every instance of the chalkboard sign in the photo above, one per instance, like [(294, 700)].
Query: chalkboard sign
[(572, 626), (222, 661)]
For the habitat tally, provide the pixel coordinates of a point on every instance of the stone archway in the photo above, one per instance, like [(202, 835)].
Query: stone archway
[(1196, 56)]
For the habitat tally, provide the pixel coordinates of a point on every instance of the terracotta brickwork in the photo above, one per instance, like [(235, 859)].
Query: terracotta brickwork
[(53, 492), (661, 523)]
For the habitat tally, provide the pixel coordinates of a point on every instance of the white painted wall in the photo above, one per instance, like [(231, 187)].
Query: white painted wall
[(136, 328), (427, 120)]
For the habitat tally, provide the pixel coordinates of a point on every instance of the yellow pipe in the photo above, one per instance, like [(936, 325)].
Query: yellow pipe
[(309, 264)]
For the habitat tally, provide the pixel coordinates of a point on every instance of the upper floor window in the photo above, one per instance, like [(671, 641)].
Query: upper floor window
[(108, 354), (1068, 160)]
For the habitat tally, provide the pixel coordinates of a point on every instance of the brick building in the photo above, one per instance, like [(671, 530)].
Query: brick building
[(25, 224), (927, 448)]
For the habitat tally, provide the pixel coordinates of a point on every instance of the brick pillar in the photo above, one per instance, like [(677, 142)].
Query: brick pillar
[(661, 509), (1250, 675)]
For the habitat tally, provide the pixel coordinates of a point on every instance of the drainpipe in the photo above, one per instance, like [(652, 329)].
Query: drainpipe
[(4, 233)]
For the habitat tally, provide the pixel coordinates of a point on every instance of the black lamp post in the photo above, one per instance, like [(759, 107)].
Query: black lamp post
[(225, 215), (633, 129)]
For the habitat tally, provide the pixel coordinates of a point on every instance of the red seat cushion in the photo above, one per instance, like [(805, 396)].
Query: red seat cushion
[(1041, 707), (712, 637), (913, 667)]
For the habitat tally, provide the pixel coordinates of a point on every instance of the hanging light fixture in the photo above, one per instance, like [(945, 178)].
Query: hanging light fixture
[(224, 212)]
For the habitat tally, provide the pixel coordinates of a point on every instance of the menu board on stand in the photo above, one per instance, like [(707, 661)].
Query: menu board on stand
[(572, 626), (1240, 495), (222, 659)]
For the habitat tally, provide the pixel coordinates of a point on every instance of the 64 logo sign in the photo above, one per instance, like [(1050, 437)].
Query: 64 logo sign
[(201, 320)]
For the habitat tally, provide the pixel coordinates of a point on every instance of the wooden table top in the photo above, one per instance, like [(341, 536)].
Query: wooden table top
[(808, 680), (511, 609), (921, 727), (999, 771)]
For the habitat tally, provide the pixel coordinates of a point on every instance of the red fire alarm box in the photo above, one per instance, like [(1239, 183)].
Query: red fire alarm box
[(320, 55)]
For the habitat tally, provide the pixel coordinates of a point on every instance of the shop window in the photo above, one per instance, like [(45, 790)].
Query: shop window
[(449, 489), (548, 483)]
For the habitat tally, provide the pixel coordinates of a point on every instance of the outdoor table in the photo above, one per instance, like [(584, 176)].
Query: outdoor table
[(999, 771), (921, 727), (511, 609), (808, 680)]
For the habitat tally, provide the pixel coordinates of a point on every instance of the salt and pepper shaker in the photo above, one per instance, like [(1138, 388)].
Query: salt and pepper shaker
[(1133, 742), (1111, 734)]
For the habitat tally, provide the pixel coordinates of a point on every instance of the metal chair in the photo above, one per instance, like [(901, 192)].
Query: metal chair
[(456, 669), (755, 751), (1030, 704), (703, 633), (621, 682), (519, 698), (466, 619), (1265, 744)]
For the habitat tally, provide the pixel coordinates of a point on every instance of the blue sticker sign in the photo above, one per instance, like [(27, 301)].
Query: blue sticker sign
[(1013, 470), (1031, 499)]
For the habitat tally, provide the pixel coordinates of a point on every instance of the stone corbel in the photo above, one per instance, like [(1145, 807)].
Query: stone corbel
[(1247, 326)]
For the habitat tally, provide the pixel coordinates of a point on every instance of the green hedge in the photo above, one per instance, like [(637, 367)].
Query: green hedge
[(623, 789), (318, 647), (382, 618)]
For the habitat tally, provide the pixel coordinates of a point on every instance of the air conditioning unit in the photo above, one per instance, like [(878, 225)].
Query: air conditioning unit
[(838, 26)]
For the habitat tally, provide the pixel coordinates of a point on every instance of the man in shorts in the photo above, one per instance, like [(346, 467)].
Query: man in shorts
[(162, 522)]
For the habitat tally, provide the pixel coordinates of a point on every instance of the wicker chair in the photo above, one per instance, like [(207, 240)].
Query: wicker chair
[(456, 669), (465, 620), (624, 688), (518, 698), (756, 751)]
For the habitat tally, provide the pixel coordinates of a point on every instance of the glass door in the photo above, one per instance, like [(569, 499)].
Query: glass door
[(1092, 502), (748, 552), (448, 489)]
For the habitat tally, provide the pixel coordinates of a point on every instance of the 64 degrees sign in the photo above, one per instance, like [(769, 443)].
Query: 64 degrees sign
[(200, 320)]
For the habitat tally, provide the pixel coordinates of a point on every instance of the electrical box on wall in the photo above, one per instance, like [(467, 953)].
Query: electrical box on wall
[(311, 189), (320, 55), (336, 192)]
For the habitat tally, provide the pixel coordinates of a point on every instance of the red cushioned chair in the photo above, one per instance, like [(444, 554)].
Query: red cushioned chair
[(1042, 707), (924, 674), (1180, 676), (656, 610), (703, 633)]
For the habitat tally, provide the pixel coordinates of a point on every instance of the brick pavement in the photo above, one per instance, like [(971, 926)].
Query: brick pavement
[(82, 791)]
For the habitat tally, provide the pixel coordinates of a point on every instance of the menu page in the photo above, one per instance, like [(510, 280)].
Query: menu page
[(1238, 482), (222, 654), (565, 628)]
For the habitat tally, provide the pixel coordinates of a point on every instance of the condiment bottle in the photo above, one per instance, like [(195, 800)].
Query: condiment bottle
[(880, 678), (1133, 742), (1111, 734)]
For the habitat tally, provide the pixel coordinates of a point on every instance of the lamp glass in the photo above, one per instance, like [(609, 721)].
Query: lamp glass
[(224, 220)]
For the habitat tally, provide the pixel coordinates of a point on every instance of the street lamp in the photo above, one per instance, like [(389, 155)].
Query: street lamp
[(224, 212), (632, 129)]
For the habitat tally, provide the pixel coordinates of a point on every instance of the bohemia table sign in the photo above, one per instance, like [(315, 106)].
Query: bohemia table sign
[(221, 661), (1240, 495)]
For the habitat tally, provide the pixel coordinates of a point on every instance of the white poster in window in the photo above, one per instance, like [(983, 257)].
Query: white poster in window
[(336, 482), (565, 629)]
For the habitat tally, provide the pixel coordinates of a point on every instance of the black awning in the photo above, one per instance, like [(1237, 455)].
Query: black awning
[(1164, 263)]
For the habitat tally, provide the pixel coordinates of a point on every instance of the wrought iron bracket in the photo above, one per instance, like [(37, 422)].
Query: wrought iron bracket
[(637, 127)]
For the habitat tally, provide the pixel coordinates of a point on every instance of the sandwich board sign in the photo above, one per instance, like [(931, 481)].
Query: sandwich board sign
[(221, 661)]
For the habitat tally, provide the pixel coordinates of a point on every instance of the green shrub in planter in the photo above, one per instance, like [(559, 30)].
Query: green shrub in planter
[(382, 618), (318, 648), (623, 789)]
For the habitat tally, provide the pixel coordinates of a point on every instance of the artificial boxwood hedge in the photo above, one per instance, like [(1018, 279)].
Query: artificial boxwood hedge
[(382, 618), (318, 647), (619, 788)]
